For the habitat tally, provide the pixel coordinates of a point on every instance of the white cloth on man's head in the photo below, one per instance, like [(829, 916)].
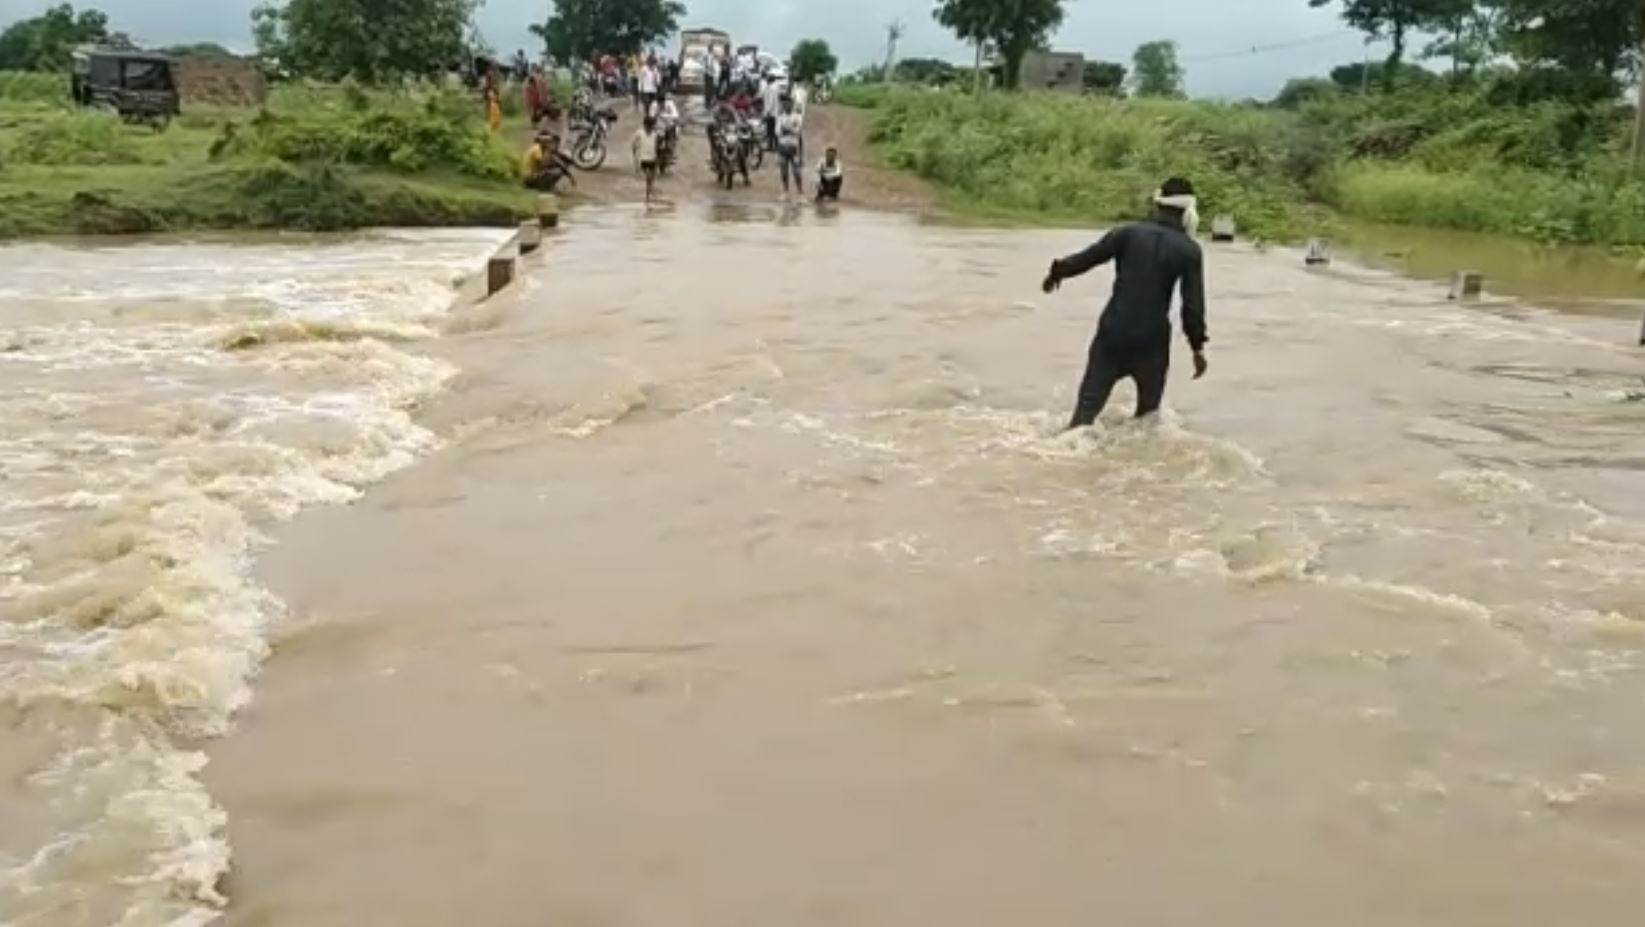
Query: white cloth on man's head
[(1189, 206)]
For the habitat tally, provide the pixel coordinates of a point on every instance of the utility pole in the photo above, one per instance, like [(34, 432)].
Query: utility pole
[(976, 74), (893, 33), (1639, 103)]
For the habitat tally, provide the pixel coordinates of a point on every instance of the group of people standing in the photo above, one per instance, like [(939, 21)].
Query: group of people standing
[(778, 107)]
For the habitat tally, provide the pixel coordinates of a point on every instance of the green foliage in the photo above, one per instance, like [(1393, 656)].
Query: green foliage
[(1105, 77), (862, 95), (1157, 72), (578, 30), (1359, 76), (33, 87), (312, 197), (1305, 90), (933, 71), (1395, 20), (46, 42), (812, 59), (1436, 156), (1596, 38), (204, 49), (369, 40), (1512, 201), (1093, 159), (398, 133), (1013, 27), (76, 138)]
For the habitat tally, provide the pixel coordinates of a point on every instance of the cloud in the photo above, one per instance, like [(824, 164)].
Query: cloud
[(1216, 36)]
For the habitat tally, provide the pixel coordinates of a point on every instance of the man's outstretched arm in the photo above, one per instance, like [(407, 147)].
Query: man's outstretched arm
[(1105, 250), (1193, 312)]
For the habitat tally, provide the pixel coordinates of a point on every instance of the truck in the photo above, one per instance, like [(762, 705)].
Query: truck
[(695, 47)]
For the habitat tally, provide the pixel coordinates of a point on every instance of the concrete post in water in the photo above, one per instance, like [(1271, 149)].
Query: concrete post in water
[(499, 272), (531, 237), (1223, 228), (1319, 253), (548, 211), (1467, 284)]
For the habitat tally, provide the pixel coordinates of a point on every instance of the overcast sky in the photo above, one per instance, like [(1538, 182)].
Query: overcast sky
[(1218, 30)]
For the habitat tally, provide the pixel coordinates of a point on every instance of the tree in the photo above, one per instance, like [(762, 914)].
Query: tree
[(1359, 75), (811, 60), (1303, 90), (1014, 27), (1156, 70), (203, 49), (1593, 40), (369, 40), (1106, 78), (1397, 19), (46, 42), (932, 71), (578, 30)]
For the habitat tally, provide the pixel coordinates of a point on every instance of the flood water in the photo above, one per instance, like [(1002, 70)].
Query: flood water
[(742, 577)]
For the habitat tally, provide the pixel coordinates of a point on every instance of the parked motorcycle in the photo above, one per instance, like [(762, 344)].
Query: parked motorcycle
[(728, 155), (748, 135), (589, 148)]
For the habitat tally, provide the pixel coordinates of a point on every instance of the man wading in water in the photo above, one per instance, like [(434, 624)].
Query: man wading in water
[(1134, 337)]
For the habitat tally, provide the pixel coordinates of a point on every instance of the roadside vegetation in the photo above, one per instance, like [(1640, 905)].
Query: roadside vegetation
[(1526, 134), (373, 139), (1437, 156), (315, 158)]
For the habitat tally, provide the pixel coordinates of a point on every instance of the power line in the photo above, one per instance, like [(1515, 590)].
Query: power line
[(1272, 47)]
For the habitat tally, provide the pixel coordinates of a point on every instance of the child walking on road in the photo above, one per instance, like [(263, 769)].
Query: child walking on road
[(645, 155)]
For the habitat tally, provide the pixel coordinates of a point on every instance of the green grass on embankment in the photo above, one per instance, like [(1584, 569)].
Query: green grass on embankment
[(1444, 157), (314, 158)]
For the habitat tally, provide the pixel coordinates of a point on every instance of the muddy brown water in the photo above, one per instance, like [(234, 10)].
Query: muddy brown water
[(731, 570)]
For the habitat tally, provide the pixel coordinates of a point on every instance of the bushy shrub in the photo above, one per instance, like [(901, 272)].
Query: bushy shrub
[(440, 133), (1095, 159), (32, 87), (314, 197), (77, 138)]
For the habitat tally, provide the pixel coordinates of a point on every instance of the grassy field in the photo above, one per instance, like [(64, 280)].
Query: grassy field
[(1436, 157), (315, 158)]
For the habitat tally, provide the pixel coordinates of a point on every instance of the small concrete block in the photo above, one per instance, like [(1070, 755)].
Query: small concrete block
[(548, 211), (1467, 284), (1223, 228), (1319, 252), (530, 238), (499, 273)]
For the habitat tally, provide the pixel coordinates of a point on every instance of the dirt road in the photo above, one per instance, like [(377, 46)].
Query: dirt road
[(826, 126)]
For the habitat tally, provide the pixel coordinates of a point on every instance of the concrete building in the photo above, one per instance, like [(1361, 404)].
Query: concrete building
[(1062, 71)]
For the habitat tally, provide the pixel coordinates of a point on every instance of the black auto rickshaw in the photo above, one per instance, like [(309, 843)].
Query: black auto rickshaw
[(137, 85)]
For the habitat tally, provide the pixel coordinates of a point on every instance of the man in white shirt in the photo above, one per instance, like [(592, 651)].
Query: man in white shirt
[(650, 82), (771, 97), (791, 146)]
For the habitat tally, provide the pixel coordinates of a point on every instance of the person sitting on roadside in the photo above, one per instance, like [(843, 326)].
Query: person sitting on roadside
[(543, 166), (830, 176), (645, 155)]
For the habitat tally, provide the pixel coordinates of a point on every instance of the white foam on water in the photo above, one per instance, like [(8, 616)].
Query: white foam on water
[(1488, 486), (143, 455)]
